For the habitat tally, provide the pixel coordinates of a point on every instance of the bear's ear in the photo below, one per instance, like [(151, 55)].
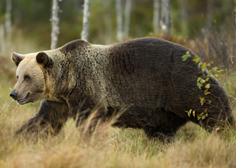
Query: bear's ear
[(17, 58), (44, 59)]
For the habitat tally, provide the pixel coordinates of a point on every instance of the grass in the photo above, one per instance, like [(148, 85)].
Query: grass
[(112, 147)]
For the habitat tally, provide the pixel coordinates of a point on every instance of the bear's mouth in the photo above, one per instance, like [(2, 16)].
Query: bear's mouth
[(22, 101)]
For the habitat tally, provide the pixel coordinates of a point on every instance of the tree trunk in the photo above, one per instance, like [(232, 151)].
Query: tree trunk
[(85, 32), (156, 16), (119, 20), (127, 17), (55, 24), (8, 21), (2, 40), (165, 17)]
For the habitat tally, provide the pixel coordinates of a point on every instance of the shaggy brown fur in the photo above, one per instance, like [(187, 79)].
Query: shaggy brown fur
[(147, 75)]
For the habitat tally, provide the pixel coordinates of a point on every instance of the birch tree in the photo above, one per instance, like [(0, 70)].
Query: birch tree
[(8, 20), (156, 16), (85, 31), (127, 17), (165, 17), (119, 20), (55, 23)]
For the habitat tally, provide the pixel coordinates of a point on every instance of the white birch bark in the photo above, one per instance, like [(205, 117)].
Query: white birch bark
[(8, 21), (119, 20), (55, 24), (2, 40), (156, 16), (85, 31), (165, 17), (127, 17)]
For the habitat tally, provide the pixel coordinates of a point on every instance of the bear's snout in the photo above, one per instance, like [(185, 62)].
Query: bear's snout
[(13, 95)]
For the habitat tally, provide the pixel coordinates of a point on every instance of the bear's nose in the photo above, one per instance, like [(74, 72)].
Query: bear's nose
[(13, 95)]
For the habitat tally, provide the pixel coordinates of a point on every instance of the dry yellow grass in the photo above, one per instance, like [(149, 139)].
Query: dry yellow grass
[(110, 147)]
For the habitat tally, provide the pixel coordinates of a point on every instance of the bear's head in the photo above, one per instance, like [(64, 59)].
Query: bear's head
[(31, 78)]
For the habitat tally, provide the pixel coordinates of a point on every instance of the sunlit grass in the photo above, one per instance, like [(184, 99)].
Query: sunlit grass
[(193, 146)]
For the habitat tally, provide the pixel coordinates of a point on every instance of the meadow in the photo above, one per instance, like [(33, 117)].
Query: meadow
[(109, 147)]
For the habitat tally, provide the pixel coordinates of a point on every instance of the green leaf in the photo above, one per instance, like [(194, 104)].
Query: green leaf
[(198, 117), (198, 79), (207, 86), (196, 59), (214, 68), (217, 75), (202, 100), (202, 81), (203, 117), (207, 93), (203, 66), (220, 71), (186, 56), (199, 64), (199, 85)]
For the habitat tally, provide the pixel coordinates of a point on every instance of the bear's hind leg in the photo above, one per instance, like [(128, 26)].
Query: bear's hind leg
[(163, 125)]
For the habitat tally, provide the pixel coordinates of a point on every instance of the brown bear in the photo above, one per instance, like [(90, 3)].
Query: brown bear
[(146, 75)]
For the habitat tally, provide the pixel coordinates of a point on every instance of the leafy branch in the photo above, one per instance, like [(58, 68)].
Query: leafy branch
[(214, 72)]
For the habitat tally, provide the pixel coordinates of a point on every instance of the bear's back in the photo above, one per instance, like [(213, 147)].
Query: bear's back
[(140, 70)]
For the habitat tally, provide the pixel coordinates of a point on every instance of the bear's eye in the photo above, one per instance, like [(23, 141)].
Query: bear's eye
[(26, 77), (17, 77)]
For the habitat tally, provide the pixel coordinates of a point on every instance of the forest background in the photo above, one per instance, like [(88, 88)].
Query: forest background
[(189, 19)]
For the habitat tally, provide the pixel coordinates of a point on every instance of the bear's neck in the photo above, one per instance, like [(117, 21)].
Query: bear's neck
[(74, 70)]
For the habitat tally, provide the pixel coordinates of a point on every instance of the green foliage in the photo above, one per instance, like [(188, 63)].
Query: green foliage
[(200, 82), (202, 116), (203, 82), (196, 59), (186, 56)]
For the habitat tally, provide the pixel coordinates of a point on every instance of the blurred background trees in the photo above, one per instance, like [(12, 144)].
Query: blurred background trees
[(206, 26), (188, 18)]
